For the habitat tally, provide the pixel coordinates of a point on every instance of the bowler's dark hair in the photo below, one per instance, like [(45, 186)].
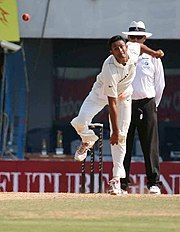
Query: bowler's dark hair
[(114, 39)]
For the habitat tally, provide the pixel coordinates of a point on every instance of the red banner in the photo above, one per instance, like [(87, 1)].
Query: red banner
[(69, 96), (65, 176), (169, 109)]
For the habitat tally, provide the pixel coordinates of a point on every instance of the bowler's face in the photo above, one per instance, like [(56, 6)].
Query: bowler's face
[(119, 50)]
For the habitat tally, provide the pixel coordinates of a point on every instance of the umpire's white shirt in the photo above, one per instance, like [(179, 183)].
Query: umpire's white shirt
[(116, 78), (149, 80)]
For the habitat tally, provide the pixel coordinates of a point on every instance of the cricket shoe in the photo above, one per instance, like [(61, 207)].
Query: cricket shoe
[(81, 152), (114, 187), (154, 190)]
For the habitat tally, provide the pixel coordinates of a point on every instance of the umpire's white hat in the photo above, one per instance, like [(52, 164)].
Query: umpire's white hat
[(137, 28)]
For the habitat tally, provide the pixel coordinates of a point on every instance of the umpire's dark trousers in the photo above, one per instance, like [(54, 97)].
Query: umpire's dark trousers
[(144, 118)]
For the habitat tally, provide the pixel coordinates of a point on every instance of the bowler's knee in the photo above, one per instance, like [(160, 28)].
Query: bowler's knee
[(78, 126)]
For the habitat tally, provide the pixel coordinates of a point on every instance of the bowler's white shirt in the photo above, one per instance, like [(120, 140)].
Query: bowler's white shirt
[(149, 79), (116, 78)]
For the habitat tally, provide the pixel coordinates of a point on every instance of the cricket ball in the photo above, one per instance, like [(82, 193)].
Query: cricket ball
[(26, 17)]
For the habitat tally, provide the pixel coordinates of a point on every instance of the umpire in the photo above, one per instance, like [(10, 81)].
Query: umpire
[(148, 86)]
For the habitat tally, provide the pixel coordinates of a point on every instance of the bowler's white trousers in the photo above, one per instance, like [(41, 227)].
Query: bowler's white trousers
[(90, 107)]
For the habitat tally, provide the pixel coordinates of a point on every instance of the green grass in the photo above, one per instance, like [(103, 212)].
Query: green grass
[(88, 212)]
